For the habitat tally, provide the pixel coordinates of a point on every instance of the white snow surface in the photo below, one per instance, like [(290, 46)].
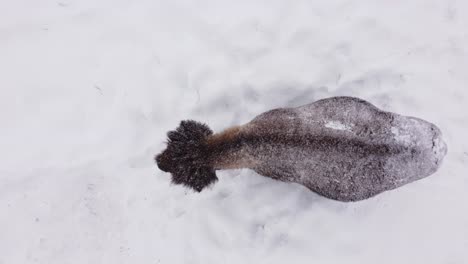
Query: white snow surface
[(88, 90)]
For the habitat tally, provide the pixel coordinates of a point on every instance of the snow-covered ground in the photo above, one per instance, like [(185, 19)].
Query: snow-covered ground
[(89, 88)]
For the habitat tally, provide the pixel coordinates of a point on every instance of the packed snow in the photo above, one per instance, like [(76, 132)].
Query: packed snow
[(88, 90)]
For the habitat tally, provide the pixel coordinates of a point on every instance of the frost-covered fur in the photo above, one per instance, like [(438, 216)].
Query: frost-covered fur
[(343, 148)]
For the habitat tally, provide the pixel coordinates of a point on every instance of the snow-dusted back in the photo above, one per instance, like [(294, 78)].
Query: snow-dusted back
[(366, 152), (338, 125), (89, 89)]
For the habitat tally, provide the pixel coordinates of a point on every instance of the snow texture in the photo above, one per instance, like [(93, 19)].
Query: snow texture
[(88, 90), (338, 125)]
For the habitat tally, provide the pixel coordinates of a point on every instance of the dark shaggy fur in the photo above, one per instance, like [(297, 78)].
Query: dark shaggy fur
[(185, 156)]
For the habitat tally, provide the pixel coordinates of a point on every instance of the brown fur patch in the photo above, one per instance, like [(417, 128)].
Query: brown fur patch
[(226, 149), (228, 135)]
